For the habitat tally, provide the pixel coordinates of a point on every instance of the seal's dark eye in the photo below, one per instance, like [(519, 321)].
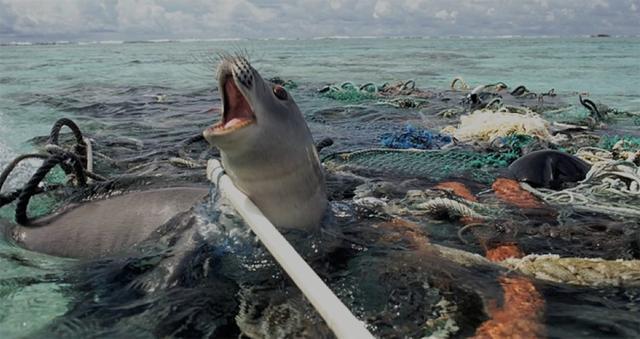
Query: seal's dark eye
[(280, 92)]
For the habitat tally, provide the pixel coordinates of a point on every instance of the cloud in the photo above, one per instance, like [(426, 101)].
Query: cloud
[(134, 19)]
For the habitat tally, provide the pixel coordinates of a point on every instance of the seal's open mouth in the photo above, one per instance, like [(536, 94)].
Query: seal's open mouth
[(237, 112)]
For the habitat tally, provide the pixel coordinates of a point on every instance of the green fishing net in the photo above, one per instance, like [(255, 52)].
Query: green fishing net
[(629, 143), (349, 92), (432, 164), (435, 164), (568, 115)]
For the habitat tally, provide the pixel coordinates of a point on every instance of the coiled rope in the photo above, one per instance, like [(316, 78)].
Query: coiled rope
[(610, 187), (30, 188), (82, 149), (593, 109), (76, 162)]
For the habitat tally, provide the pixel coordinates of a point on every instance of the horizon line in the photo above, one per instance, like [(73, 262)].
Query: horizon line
[(328, 37)]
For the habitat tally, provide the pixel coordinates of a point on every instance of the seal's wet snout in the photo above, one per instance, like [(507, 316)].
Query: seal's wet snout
[(243, 71), (236, 79)]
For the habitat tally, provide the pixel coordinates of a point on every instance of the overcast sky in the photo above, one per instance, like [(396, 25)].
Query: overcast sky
[(48, 20)]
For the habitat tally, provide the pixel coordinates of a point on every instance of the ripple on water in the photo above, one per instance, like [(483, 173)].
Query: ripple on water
[(32, 291), (28, 308)]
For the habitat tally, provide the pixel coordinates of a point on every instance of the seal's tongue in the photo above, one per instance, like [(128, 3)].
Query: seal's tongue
[(237, 110)]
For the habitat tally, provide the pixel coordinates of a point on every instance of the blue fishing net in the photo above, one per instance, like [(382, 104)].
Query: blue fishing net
[(412, 137)]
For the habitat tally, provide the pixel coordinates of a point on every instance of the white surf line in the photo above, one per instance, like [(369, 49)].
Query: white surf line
[(338, 317)]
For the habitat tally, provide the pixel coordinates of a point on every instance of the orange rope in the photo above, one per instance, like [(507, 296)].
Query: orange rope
[(504, 251), (399, 230), (521, 314), (458, 189), (510, 192)]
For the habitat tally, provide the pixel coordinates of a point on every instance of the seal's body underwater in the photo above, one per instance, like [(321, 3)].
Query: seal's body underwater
[(103, 227), (267, 148)]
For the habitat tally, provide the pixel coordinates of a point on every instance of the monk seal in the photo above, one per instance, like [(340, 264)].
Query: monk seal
[(549, 169), (104, 227), (266, 147)]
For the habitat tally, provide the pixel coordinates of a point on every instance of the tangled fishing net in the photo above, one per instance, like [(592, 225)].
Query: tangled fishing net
[(613, 148), (401, 94), (428, 164), (440, 206), (627, 143), (413, 137), (611, 187), (349, 92), (64, 166)]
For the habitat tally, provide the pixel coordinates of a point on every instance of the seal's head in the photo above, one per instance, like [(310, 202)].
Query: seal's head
[(266, 147), (251, 106)]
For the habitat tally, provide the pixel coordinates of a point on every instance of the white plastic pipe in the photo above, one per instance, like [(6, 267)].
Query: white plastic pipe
[(338, 317)]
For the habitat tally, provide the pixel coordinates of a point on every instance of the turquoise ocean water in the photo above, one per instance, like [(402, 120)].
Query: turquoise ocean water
[(112, 89), (605, 68)]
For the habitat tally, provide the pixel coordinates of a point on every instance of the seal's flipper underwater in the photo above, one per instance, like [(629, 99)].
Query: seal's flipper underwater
[(104, 227), (267, 148), (549, 169)]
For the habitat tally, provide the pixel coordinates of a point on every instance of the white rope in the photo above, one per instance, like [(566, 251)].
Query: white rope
[(592, 272), (452, 208), (338, 317), (89, 153), (181, 162)]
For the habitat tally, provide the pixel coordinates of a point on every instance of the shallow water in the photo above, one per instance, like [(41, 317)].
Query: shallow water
[(138, 101)]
